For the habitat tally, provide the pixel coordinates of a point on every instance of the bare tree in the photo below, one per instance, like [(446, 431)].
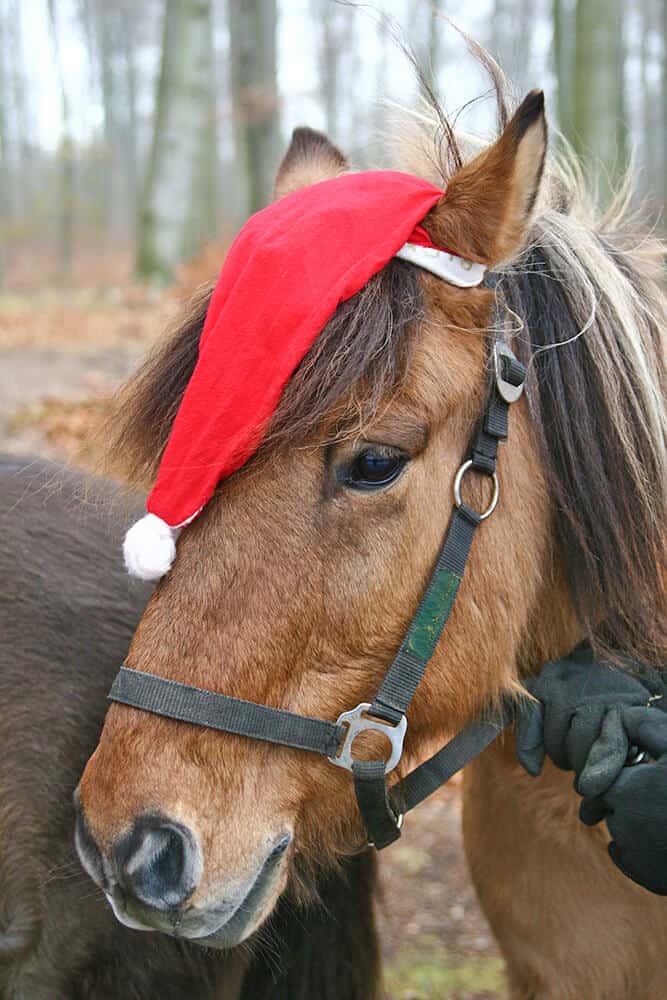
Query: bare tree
[(430, 52), (66, 158), (661, 25), (649, 118), (511, 40), (599, 127), (113, 33), (254, 86), (17, 123), (563, 63), (5, 172), (181, 116), (204, 223), (499, 36), (332, 31)]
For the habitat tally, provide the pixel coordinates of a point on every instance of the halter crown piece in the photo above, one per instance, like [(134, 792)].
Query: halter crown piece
[(289, 268)]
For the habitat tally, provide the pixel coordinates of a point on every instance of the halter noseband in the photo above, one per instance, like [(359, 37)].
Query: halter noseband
[(382, 808)]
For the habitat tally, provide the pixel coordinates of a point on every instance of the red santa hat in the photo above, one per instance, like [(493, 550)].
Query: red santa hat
[(289, 268)]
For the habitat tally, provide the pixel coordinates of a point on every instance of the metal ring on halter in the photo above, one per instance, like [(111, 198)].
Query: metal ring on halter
[(357, 722), (457, 490)]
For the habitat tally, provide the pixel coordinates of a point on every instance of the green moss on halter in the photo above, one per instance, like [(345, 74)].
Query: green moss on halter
[(433, 614)]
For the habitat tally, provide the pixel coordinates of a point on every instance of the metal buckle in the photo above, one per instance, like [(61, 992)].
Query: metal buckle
[(457, 489), (357, 723), (510, 393)]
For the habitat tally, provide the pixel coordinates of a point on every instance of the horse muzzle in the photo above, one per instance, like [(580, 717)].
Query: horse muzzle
[(151, 878)]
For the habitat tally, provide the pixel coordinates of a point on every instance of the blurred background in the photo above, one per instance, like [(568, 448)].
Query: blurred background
[(132, 134), (134, 140)]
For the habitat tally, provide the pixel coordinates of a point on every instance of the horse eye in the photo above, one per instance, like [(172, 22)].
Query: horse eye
[(373, 468)]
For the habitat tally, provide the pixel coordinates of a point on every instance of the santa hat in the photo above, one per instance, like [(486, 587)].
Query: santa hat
[(290, 267)]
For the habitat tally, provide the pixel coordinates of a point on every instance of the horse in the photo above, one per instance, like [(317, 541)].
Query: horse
[(67, 614), (295, 585)]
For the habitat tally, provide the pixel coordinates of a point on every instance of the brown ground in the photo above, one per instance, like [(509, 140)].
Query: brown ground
[(59, 355)]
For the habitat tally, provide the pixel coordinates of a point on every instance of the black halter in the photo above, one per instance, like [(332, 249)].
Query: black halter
[(382, 808)]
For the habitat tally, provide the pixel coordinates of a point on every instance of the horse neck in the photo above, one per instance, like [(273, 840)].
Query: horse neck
[(553, 628)]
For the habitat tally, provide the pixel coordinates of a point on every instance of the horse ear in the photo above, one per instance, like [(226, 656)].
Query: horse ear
[(310, 157), (486, 209)]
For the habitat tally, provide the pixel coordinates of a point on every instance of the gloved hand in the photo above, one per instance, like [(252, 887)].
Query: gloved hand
[(635, 806), (577, 721)]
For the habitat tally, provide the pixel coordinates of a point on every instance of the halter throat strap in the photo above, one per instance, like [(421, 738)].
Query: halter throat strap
[(382, 808)]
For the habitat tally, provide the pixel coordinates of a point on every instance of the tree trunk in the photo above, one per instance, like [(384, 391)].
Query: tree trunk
[(254, 86), (204, 219), (431, 48), (66, 161), (599, 128), (180, 121), (112, 33), (112, 179), (499, 41), (327, 17), (650, 96), (562, 65), (131, 131), (23, 190), (378, 115), (5, 196), (662, 27)]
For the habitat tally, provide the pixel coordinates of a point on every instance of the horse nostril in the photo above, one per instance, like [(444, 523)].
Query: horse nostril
[(158, 862)]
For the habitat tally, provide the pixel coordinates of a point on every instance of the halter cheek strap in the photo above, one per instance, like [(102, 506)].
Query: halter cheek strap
[(382, 809)]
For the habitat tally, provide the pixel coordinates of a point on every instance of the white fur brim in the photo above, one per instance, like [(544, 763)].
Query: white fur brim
[(149, 548)]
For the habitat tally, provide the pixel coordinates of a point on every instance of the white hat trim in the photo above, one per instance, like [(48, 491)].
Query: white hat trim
[(448, 266)]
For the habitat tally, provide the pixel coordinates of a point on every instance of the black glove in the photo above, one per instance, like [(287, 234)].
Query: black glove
[(577, 720), (635, 806)]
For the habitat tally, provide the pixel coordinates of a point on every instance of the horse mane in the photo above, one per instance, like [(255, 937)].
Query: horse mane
[(587, 312), (590, 315)]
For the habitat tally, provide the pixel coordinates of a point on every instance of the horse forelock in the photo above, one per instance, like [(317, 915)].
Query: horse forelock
[(360, 357)]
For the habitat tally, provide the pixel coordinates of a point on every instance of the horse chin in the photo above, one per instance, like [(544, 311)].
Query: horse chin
[(249, 915), (235, 930)]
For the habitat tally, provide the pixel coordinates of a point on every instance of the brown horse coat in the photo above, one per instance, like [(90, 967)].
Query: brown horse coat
[(67, 614)]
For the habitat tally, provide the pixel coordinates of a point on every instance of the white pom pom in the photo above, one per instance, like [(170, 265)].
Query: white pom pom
[(149, 548)]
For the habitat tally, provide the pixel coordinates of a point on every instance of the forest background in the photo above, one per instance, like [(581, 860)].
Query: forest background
[(131, 134)]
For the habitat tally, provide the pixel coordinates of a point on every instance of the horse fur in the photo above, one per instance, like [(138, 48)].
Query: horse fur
[(67, 614)]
